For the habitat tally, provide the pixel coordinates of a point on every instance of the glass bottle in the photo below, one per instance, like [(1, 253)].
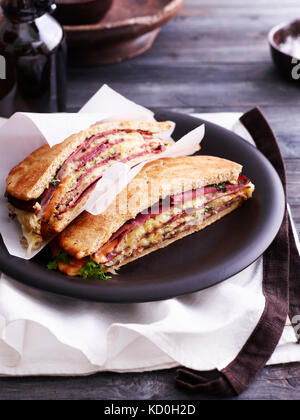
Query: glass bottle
[(32, 58)]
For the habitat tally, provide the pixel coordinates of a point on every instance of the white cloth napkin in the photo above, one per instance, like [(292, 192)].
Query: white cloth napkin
[(45, 334)]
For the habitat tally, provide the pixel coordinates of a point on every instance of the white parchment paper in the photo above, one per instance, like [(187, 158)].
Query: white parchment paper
[(25, 132)]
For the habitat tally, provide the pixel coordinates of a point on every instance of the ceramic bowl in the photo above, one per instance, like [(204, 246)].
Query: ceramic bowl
[(81, 12), (284, 40)]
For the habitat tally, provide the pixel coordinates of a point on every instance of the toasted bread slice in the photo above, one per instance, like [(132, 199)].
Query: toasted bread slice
[(157, 180), (29, 179), (94, 150)]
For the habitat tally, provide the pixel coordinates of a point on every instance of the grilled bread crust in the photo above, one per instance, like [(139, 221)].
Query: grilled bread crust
[(29, 179), (157, 180), (51, 225)]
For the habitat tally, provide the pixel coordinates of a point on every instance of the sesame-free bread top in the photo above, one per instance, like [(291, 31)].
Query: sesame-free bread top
[(157, 180)]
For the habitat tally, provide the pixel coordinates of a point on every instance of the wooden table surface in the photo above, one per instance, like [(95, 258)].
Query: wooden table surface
[(213, 57)]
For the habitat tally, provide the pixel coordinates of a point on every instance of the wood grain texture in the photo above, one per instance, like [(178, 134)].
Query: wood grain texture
[(275, 383), (122, 33), (213, 56)]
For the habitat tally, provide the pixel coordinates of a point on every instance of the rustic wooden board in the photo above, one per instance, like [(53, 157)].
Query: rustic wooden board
[(213, 56)]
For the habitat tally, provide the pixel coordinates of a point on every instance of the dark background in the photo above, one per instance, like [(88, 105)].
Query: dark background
[(213, 56)]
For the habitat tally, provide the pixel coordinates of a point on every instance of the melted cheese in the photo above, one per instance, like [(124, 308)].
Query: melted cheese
[(132, 144), (100, 257), (31, 229), (141, 236), (157, 229)]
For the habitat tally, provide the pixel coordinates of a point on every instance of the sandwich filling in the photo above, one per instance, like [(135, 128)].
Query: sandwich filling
[(78, 176), (87, 164), (168, 219)]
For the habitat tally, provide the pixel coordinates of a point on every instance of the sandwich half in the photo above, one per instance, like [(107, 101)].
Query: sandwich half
[(167, 200), (51, 186)]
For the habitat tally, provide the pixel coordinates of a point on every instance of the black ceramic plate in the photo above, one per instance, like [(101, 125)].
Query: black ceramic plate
[(193, 263)]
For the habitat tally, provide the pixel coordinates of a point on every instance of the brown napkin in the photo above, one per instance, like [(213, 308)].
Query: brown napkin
[(281, 288)]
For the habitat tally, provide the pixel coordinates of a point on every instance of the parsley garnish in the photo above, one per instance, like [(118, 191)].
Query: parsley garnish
[(52, 265), (93, 270), (61, 256), (54, 181), (221, 187), (208, 209), (90, 270)]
